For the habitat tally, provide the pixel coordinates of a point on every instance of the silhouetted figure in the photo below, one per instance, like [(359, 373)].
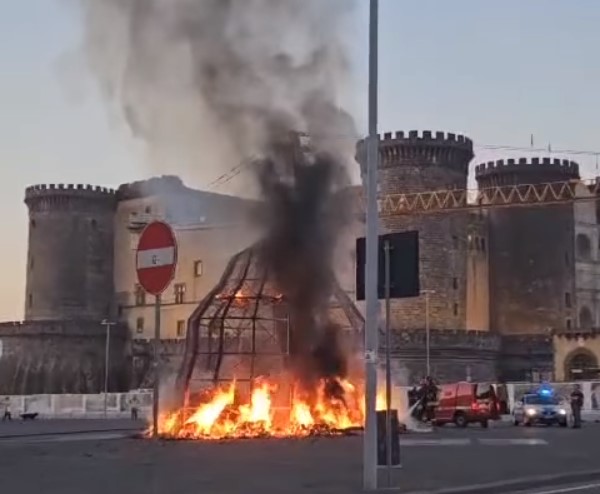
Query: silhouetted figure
[(576, 406), (7, 414)]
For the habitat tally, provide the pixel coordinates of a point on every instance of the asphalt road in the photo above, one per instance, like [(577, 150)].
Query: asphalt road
[(109, 461), (19, 427)]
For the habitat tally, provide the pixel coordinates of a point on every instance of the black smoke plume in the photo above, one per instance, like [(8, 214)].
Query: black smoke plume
[(303, 215)]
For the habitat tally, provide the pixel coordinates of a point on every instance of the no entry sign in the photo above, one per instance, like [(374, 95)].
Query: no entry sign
[(156, 257)]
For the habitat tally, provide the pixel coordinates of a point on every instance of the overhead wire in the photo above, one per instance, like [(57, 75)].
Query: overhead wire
[(241, 167)]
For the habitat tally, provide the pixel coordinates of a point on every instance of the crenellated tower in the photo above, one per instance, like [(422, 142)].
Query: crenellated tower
[(531, 250), (421, 162), (70, 256)]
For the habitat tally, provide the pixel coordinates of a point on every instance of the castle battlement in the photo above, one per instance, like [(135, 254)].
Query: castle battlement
[(84, 197), (569, 169), (79, 190), (422, 148), (426, 137)]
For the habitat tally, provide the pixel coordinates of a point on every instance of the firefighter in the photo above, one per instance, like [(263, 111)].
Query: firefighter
[(576, 406), (432, 397)]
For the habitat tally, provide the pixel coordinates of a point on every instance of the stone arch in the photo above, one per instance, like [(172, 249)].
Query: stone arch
[(586, 319), (581, 364), (583, 246)]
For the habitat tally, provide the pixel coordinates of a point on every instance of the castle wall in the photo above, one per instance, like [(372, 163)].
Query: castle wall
[(70, 261), (531, 251), (420, 163), (60, 357), (455, 355), (478, 294)]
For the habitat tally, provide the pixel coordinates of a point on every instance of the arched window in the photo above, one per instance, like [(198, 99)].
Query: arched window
[(584, 247), (586, 320), (582, 365)]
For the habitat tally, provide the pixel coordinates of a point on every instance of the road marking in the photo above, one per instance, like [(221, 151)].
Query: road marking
[(59, 438), (512, 442), (434, 442), (567, 489)]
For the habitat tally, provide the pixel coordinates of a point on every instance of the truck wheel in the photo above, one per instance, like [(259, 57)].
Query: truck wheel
[(563, 423), (485, 424), (527, 423), (460, 420)]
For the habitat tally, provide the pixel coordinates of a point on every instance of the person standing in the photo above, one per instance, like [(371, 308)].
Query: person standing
[(7, 413), (576, 406), (134, 406)]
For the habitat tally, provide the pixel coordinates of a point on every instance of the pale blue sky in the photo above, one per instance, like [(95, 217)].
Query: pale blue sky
[(497, 71)]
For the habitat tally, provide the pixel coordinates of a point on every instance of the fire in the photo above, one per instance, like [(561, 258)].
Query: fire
[(336, 405)]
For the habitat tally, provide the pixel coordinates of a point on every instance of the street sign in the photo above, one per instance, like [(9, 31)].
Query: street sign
[(156, 257), (404, 265)]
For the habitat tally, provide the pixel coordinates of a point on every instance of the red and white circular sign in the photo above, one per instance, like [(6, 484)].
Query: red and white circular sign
[(156, 257)]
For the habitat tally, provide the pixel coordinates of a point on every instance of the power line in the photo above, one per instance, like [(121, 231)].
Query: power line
[(238, 169)]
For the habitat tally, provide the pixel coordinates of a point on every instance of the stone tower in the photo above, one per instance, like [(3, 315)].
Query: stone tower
[(531, 250), (70, 258), (424, 162)]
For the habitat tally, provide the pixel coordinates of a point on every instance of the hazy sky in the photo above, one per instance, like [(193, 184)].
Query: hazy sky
[(496, 71)]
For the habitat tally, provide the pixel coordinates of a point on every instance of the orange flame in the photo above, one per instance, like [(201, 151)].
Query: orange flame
[(222, 416)]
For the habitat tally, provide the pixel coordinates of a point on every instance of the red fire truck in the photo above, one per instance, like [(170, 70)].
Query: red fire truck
[(464, 403)]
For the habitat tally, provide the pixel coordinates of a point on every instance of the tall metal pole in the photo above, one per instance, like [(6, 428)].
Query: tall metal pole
[(372, 304), (388, 369), (107, 325), (155, 399), (427, 332), (427, 344)]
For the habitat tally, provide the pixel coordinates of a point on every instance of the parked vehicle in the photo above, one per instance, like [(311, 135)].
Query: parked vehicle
[(541, 408), (464, 403)]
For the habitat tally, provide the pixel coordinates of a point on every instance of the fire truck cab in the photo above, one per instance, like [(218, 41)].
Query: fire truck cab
[(464, 403)]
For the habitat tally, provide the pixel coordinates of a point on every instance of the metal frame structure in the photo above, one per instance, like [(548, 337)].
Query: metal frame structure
[(241, 329)]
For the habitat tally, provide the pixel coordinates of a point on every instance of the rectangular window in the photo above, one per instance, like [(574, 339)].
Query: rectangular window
[(30, 300), (198, 269), (139, 325), (569, 324), (140, 296), (179, 293), (455, 283), (483, 245), (180, 329), (568, 300), (456, 309)]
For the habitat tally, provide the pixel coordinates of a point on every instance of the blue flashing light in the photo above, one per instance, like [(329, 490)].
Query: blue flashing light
[(545, 392)]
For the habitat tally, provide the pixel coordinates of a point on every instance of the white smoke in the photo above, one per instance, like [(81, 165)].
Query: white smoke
[(203, 82)]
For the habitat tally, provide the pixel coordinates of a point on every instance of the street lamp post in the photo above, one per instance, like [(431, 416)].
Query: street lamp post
[(372, 240), (427, 331), (107, 325)]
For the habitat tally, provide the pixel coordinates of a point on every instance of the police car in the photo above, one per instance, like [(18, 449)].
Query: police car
[(541, 407)]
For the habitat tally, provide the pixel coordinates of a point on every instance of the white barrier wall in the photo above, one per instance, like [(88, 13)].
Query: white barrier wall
[(80, 406)]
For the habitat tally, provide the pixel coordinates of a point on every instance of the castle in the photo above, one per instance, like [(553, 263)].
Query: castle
[(508, 293)]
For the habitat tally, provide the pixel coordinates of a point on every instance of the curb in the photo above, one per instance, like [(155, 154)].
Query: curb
[(66, 433), (521, 484)]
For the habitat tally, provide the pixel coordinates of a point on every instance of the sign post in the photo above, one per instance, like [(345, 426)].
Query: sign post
[(156, 259)]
